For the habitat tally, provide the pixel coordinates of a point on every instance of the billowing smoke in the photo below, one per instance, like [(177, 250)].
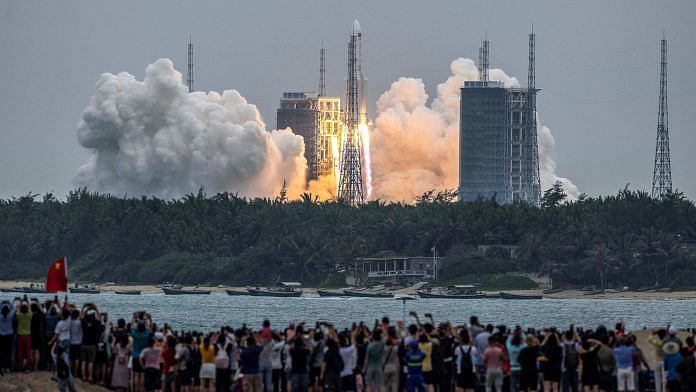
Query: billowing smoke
[(415, 146), (152, 137)]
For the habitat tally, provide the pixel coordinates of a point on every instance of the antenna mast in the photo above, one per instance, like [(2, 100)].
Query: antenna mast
[(189, 75), (662, 172)]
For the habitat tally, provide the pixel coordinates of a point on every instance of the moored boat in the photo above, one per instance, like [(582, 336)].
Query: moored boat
[(127, 292), (282, 290), (84, 290), (29, 290), (236, 292), (453, 292), (173, 291), (552, 291), (331, 293), (367, 293), (504, 295), (405, 297), (593, 292)]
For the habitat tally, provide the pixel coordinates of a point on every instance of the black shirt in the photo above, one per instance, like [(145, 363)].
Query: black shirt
[(527, 359), (299, 357), (91, 332)]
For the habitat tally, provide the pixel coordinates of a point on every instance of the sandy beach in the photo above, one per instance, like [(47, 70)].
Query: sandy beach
[(566, 294)]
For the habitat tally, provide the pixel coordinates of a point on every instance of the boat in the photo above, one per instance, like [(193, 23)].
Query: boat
[(364, 293), (84, 290), (552, 291), (453, 292), (504, 295), (127, 292), (331, 293), (593, 292), (405, 297), (174, 291), (29, 290), (283, 290), (236, 292)]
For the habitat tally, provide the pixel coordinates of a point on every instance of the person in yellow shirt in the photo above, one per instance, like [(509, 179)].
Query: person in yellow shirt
[(207, 373), (426, 346), (24, 337)]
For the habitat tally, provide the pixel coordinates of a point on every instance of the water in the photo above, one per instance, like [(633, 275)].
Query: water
[(209, 312)]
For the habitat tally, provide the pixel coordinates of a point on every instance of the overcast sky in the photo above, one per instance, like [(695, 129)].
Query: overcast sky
[(597, 66)]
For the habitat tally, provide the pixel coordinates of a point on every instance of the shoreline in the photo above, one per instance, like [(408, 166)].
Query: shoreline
[(566, 294)]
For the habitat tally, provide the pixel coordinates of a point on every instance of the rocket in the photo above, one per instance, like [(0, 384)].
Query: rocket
[(362, 79)]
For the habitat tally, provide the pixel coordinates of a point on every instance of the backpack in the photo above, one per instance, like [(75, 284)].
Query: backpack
[(467, 365), (193, 361), (571, 356), (62, 368), (222, 359)]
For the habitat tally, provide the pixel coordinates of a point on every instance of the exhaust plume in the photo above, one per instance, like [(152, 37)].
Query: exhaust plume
[(415, 147), (152, 137)]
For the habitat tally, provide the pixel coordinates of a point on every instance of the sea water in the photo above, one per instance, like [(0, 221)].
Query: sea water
[(209, 312)]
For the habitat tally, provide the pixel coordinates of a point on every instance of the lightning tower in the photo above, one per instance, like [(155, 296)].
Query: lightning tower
[(483, 60), (189, 75), (322, 70), (531, 186), (662, 173), (350, 185)]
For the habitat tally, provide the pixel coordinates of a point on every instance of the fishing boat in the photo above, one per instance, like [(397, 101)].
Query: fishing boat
[(366, 293), (552, 291), (405, 297), (504, 295), (181, 291), (331, 293), (127, 292), (84, 290), (236, 292), (283, 290), (453, 292)]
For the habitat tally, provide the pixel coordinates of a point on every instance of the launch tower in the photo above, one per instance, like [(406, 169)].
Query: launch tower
[(189, 74), (662, 172), (350, 185)]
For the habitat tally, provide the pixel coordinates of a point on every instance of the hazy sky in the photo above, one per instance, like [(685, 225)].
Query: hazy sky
[(597, 66)]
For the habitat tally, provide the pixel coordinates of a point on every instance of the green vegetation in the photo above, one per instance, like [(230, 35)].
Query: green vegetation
[(628, 239)]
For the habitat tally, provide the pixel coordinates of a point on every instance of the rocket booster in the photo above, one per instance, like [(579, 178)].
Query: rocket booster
[(362, 79)]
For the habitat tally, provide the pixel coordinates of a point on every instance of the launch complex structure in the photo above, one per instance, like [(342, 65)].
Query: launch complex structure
[(498, 144), (335, 138)]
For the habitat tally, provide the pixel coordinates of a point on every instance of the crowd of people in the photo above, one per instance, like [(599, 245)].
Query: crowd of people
[(140, 355)]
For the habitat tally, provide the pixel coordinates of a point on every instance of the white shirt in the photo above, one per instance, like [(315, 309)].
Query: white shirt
[(75, 331), (481, 341), (63, 330), (460, 351), (276, 362), (350, 358)]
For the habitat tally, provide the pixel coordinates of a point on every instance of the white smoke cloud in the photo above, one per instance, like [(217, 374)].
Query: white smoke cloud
[(415, 148), (154, 138)]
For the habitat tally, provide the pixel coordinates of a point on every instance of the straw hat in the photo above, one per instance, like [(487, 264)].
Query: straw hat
[(670, 348)]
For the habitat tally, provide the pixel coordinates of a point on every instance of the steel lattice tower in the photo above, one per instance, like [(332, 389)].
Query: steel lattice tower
[(531, 187), (322, 70), (350, 185), (483, 60), (189, 75), (662, 173)]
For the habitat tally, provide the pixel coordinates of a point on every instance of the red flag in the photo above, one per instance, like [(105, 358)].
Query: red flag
[(57, 279)]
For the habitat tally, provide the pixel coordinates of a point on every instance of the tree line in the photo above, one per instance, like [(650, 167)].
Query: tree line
[(627, 239)]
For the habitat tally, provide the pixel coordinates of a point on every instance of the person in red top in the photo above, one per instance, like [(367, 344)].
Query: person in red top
[(266, 331), (169, 365), (494, 358)]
